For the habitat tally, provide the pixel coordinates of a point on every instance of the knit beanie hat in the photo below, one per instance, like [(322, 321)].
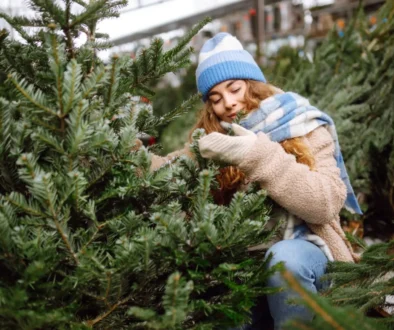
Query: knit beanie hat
[(223, 58)]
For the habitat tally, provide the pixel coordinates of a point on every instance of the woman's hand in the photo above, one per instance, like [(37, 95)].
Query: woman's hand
[(228, 149), (138, 145)]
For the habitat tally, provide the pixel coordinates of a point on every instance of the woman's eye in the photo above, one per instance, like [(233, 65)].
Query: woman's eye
[(236, 90), (216, 101)]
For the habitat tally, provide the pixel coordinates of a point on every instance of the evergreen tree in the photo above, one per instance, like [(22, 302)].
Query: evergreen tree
[(89, 235)]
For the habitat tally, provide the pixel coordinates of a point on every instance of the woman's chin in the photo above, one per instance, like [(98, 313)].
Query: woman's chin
[(228, 120)]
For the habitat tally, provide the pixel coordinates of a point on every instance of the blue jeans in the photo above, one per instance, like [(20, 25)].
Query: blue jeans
[(307, 263)]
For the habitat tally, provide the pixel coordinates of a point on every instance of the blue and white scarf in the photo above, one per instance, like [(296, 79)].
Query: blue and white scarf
[(289, 115)]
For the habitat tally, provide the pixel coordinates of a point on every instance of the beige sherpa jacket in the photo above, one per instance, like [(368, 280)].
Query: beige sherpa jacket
[(313, 196)]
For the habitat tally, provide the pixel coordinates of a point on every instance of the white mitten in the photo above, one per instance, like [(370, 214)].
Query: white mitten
[(228, 149)]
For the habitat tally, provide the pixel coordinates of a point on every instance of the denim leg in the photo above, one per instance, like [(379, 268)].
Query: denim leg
[(307, 263)]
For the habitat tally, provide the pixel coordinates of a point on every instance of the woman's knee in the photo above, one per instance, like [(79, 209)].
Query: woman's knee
[(281, 252), (295, 254)]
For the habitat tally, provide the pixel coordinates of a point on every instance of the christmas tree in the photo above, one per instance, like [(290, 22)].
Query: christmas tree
[(90, 235)]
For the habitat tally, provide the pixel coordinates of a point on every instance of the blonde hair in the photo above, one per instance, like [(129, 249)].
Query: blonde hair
[(231, 177)]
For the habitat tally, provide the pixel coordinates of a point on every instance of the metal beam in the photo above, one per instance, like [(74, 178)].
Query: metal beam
[(260, 28), (342, 7), (188, 21), (141, 5)]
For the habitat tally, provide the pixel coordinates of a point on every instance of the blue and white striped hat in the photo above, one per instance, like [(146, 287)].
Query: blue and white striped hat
[(223, 58)]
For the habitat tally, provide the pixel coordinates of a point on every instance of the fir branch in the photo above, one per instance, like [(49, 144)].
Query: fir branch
[(135, 74), (16, 23), (108, 274), (354, 239), (44, 124), (112, 79), (79, 185), (101, 317), (64, 237), (98, 230), (6, 123), (101, 138), (184, 56), (35, 97), (89, 294), (42, 188), (172, 225), (47, 184), (93, 237), (127, 139), (169, 116), (203, 191), (174, 59), (180, 110), (100, 35), (235, 212), (71, 85), (175, 299), (113, 8), (99, 45), (156, 52), (95, 80), (30, 163), (145, 65), (66, 194), (3, 36), (91, 10), (186, 39), (8, 220), (78, 131), (144, 90), (47, 138), (56, 55), (20, 202), (81, 3), (49, 8), (103, 169)]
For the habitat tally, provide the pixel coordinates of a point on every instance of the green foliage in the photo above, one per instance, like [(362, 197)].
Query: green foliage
[(90, 236), (328, 316), (283, 66), (176, 133), (356, 295), (367, 284)]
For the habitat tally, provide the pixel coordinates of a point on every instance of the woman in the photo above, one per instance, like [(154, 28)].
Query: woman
[(290, 148)]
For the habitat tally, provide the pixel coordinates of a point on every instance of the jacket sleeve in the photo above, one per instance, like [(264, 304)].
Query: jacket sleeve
[(314, 196)]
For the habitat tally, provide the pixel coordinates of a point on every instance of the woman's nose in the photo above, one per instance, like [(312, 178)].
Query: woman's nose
[(229, 102)]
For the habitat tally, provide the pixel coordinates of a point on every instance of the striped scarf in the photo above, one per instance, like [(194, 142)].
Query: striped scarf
[(289, 115)]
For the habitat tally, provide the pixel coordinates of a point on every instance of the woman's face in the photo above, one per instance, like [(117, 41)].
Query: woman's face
[(227, 99)]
